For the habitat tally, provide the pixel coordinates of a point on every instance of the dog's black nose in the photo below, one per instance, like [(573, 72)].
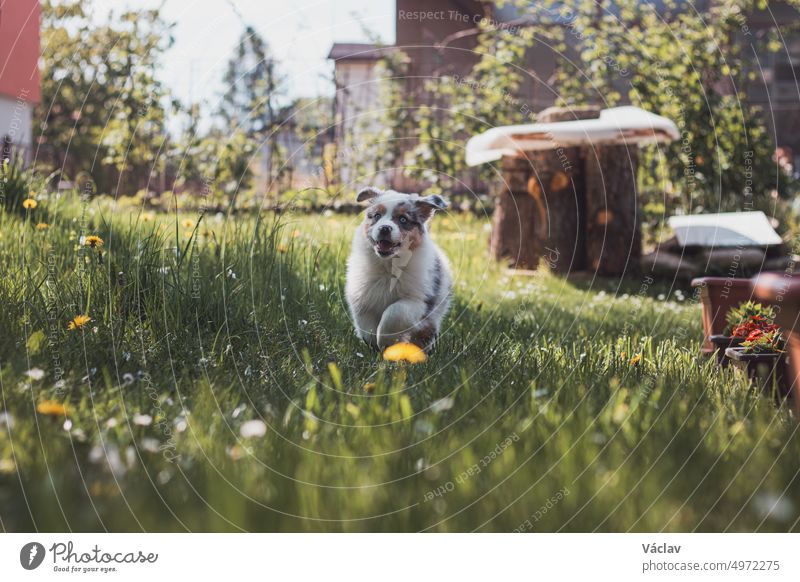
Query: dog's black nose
[(385, 230)]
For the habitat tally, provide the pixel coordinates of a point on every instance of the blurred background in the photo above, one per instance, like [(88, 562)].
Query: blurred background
[(264, 102)]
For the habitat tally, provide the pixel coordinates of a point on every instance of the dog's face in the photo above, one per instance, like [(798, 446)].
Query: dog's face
[(396, 221)]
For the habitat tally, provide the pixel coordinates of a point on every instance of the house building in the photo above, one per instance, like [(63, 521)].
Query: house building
[(19, 75), (357, 107), (438, 37), (777, 86)]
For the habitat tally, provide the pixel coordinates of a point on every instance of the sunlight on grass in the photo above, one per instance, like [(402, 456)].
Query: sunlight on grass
[(214, 382)]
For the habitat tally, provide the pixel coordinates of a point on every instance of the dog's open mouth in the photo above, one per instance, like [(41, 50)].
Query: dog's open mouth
[(386, 248)]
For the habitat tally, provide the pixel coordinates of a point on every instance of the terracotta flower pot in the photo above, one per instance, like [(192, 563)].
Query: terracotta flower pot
[(783, 291), (765, 370), (718, 295)]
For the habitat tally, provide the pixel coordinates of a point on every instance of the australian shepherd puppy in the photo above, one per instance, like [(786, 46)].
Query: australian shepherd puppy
[(398, 281)]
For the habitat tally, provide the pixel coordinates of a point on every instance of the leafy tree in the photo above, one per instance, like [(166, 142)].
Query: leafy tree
[(103, 110), (251, 83), (689, 63), (308, 120), (466, 106), (135, 135), (71, 109), (190, 152), (249, 102), (232, 167), (215, 164)]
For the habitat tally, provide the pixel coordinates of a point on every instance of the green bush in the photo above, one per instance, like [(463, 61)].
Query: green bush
[(16, 184)]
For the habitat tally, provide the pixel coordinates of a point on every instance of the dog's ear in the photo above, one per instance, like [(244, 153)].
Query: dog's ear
[(368, 194), (429, 204)]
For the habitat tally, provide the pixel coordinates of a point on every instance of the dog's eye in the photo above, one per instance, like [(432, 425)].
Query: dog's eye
[(403, 220), (376, 216)]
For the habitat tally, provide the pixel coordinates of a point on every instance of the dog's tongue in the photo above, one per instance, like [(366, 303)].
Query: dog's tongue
[(385, 245)]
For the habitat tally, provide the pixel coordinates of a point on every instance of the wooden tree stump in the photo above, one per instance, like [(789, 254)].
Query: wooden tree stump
[(585, 205), (573, 207), (613, 237), (558, 187), (513, 217)]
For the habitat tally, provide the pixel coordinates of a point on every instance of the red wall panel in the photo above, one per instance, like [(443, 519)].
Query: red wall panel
[(19, 49)]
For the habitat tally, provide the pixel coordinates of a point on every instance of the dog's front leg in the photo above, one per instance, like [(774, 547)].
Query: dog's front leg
[(367, 327), (399, 321)]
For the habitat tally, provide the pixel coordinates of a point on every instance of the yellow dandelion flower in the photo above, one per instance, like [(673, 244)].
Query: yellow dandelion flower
[(404, 352), (635, 359), (295, 233), (32, 194), (188, 223), (282, 248), (79, 321), (369, 387), (51, 408), (147, 217), (29, 204), (93, 241), (42, 226)]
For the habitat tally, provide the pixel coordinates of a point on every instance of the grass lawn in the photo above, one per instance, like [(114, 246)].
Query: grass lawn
[(219, 386)]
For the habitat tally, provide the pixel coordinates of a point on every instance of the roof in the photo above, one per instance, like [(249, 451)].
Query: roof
[(19, 50), (617, 125), (354, 51)]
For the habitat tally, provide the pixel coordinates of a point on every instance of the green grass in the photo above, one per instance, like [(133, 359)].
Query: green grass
[(548, 405)]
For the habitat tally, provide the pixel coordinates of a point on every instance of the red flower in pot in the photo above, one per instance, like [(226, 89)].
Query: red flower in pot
[(760, 355), (743, 320), (757, 325)]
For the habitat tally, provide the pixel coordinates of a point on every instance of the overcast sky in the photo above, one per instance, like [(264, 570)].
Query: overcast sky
[(300, 32)]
